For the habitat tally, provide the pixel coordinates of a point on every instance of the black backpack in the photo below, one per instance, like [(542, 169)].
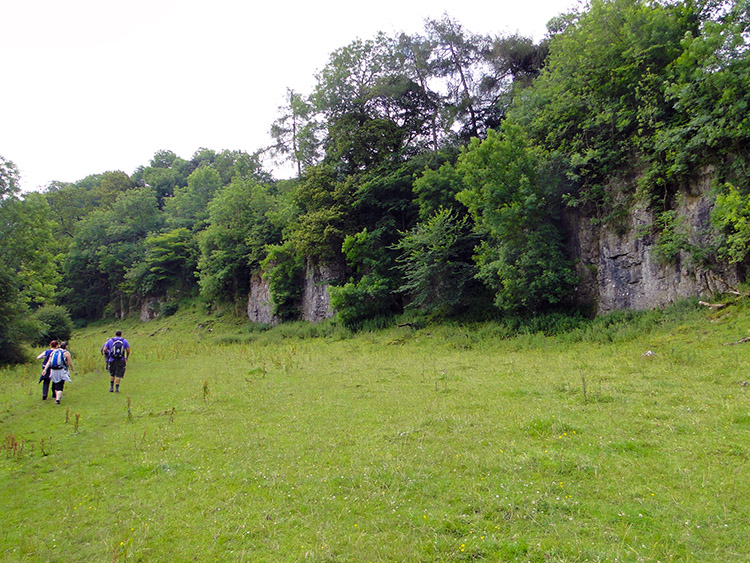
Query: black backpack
[(118, 350)]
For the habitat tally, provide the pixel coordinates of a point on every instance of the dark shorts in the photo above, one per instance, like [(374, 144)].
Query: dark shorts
[(117, 368), (59, 386)]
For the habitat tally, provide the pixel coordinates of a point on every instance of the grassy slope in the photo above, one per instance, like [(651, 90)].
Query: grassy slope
[(442, 444)]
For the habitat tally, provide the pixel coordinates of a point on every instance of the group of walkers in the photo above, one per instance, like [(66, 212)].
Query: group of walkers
[(57, 364), (56, 369)]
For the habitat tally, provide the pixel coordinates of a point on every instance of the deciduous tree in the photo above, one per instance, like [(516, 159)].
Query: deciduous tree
[(514, 205)]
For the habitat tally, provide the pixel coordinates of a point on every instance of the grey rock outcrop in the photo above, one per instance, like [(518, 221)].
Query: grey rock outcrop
[(316, 303), (150, 308), (621, 270), (259, 304)]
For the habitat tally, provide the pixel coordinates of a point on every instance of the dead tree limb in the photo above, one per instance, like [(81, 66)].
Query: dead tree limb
[(712, 305)]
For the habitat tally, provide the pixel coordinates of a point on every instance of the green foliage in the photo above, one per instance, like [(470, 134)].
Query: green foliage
[(106, 245), (674, 237), (284, 269), (295, 132), (601, 94), (383, 204), (9, 178), (166, 172), (356, 302), (731, 216), (436, 262), (170, 261), (513, 204), (436, 189), (324, 206), (26, 247), (231, 163), (85, 286), (625, 102), (68, 204), (369, 293), (109, 187), (234, 243), (169, 308), (709, 91), (188, 207), (457, 53), (15, 326), (346, 84), (361, 142), (55, 323), (376, 108), (28, 270)]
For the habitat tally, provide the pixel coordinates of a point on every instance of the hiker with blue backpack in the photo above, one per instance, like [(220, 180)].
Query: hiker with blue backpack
[(44, 378), (117, 351), (59, 364)]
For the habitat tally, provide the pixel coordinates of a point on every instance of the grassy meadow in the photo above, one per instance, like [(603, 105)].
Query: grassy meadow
[(626, 440)]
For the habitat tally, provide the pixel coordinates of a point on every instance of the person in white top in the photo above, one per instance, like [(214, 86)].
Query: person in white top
[(59, 364)]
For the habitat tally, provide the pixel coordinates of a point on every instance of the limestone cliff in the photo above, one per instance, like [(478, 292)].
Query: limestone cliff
[(619, 268), (315, 303)]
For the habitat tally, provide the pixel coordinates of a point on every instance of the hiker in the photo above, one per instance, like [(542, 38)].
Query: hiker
[(44, 378), (104, 352), (117, 351), (59, 364)]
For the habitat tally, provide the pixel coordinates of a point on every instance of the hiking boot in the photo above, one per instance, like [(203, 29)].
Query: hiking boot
[(58, 401), (111, 390)]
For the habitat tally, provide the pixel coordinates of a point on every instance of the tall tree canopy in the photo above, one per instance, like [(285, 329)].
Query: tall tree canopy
[(28, 273)]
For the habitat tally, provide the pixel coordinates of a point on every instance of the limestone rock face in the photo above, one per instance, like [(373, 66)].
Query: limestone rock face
[(620, 269), (259, 304), (316, 303), (150, 308)]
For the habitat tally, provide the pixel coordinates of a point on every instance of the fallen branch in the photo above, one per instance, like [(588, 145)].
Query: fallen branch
[(740, 341), (712, 305)]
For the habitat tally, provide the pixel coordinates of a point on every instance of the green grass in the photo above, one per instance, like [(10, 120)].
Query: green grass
[(447, 443)]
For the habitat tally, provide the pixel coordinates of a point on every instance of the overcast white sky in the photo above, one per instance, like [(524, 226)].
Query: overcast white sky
[(93, 85)]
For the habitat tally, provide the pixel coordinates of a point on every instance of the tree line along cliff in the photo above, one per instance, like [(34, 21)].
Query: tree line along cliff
[(445, 172)]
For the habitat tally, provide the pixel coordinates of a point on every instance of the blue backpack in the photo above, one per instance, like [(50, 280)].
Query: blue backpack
[(56, 359)]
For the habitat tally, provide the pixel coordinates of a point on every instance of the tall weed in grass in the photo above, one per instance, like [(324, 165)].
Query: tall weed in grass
[(435, 443)]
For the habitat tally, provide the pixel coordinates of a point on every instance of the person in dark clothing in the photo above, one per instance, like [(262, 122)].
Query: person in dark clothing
[(44, 378), (104, 352)]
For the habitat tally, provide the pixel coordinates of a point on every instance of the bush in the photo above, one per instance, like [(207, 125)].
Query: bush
[(357, 303), (55, 322), (168, 308)]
